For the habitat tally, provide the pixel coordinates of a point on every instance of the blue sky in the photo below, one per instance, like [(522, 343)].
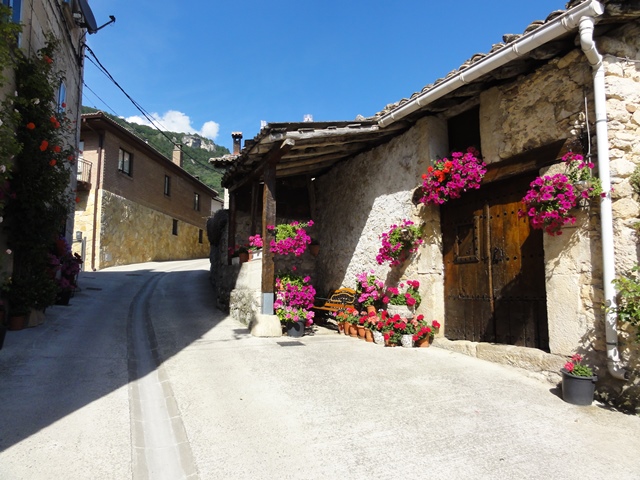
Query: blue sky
[(215, 67)]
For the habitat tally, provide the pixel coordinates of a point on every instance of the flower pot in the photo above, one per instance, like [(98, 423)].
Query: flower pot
[(378, 337), (340, 327), (368, 335), (17, 322), (63, 297), (407, 340), (353, 330), (371, 308), (295, 329), (578, 390), (314, 250), (244, 257), (403, 310), (257, 254), (424, 342), (361, 332)]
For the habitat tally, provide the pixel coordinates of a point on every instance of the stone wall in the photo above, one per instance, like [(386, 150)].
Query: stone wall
[(132, 233), (360, 199)]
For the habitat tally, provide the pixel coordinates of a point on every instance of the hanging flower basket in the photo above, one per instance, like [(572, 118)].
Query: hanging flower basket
[(448, 178), (399, 243), (290, 238), (551, 200)]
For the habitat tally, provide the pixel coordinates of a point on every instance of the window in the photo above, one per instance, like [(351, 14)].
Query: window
[(62, 97), (196, 201), (175, 227), (200, 236), (167, 185), (16, 6), (124, 162)]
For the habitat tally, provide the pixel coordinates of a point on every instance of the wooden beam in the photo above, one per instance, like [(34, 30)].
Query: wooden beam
[(269, 218), (255, 191), (231, 231)]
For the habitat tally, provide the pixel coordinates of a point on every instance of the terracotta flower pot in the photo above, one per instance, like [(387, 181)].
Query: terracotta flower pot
[(371, 308), (353, 331), (368, 335), (340, 327), (361, 332), (424, 343)]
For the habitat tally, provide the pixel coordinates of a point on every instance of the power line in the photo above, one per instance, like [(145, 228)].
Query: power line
[(146, 114), (113, 112)]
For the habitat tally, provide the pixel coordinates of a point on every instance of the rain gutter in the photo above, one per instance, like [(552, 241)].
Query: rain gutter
[(546, 33)]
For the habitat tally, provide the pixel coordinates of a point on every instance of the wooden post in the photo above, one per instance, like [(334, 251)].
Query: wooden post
[(269, 218), (231, 231), (255, 191)]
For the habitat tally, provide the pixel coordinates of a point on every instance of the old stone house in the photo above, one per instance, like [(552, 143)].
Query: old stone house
[(502, 290), (134, 204)]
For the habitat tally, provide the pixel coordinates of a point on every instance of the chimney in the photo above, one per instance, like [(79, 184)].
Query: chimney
[(237, 138), (177, 155)]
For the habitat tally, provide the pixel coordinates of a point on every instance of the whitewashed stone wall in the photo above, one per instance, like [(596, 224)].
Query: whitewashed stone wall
[(360, 199)]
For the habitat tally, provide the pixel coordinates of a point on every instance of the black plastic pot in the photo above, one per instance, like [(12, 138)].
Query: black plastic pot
[(295, 329), (578, 390)]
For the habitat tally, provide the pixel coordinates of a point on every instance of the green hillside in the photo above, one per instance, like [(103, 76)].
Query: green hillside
[(196, 160)]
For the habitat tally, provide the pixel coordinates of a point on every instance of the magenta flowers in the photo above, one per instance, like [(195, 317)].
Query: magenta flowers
[(449, 178), (294, 299), (399, 242), (290, 238)]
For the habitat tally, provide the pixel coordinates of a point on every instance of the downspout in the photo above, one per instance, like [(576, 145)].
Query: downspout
[(606, 215), (96, 200)]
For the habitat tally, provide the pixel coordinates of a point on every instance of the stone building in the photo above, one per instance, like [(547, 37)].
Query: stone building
[(68, 21), (502, 290), (134, 204)]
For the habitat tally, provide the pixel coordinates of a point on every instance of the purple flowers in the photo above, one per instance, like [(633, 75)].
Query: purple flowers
[(294, 299), (551, 198), (399, 242), (448, 178), (290, 238)]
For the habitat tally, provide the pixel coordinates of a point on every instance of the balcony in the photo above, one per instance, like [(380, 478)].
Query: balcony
[(84, 175)]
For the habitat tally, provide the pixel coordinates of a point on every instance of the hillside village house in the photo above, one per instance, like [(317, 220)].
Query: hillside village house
[(503, 291), (134, 204)]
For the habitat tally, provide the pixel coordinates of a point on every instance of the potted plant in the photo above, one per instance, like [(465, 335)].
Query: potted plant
[(448, 178), (578, 382), (403, 299), (347, 318), (368, 290), (255, 246), (290, 238), (294, 303), (551, 198), (314, 247), (399, 242), (425, 332)]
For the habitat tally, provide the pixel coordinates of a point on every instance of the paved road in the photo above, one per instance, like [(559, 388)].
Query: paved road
[(141, 377)]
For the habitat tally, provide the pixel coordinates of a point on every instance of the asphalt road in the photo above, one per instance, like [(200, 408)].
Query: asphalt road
[(141, 377)]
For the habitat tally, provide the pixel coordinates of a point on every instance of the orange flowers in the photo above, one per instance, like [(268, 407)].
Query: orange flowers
[(54, 121), (44, 145), (57, 148), (31, 126)]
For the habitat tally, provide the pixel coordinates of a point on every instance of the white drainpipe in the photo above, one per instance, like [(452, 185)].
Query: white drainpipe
[(606, 215)]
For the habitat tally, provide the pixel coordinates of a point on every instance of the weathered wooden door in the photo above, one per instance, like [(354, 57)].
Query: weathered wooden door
[(494, 268)]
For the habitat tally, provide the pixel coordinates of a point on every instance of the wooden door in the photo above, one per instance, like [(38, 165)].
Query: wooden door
[(494, 268)]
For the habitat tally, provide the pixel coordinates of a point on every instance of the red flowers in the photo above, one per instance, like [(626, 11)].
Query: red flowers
[(54, 121), (53, 162), (47, 59), (44, 145), (57, 149), (31, 126)]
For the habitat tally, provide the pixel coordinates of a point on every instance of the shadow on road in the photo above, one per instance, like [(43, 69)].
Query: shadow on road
[(80, 354)]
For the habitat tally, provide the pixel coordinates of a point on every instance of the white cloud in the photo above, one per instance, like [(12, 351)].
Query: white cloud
[(175, 121)]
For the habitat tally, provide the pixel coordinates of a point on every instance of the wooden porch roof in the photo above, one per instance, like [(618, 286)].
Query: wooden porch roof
[(312, 148)]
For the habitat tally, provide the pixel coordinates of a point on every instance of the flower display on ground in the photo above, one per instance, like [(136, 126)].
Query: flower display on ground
[(425, 330), (550, 199), (294, 298), (368, 289), (575, 367), (290, 238), (448, 178), (399, 242)]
